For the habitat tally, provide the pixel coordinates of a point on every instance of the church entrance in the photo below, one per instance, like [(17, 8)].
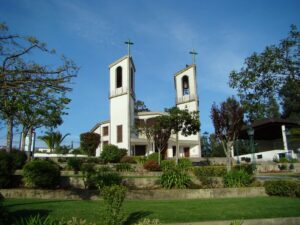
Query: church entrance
[(186, 152), (140, 150)]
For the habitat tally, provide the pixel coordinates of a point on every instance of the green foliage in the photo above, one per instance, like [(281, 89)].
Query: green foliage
[(7, 169), (270, 75), (248, 168), (53, 140), (282, 166), (167, 165), (139, 106), (210, 171), (4, 215), (237, 178), (102, 177), (147, 221), (41, 174), (151, 165), (175, 178), (89, 142), (112, 154), (37, 220), (113, 197), (288, 188), (153, 156), (74, 164), (123, 167), (128, 159), (237, 222), (19, 158), (140, 159), (208, 182), (88, 170), (283, 160), (185, 164)]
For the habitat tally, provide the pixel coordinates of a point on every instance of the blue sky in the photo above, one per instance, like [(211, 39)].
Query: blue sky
[(92, 33)]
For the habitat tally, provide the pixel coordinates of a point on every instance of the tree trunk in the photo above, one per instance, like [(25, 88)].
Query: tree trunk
[(23, 139), (159, 156), (228, 155), (9, 134), (177, 149), (29, 143)]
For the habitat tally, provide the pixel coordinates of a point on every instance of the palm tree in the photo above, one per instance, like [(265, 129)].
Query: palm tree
[(53, 139)]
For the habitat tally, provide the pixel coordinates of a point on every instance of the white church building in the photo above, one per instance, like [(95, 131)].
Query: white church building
[(118, 129)]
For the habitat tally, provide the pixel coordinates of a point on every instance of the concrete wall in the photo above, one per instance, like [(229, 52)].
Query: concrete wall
[(137, 194)]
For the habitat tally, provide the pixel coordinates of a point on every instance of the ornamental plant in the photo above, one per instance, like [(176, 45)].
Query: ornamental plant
[(89, 142), (41, 174), (238, 178), (113, 197), (112, 154), (175, 178)]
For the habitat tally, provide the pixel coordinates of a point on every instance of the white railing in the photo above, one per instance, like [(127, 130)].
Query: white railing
[(186, 98)]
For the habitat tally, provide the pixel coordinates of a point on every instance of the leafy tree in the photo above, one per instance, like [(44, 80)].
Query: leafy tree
[(146, 128), (185, 122), (227, 120), (22, 78), (268, 76), (139, 106), (53, 140)]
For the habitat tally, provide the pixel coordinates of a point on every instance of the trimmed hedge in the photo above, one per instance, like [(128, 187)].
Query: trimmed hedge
[(7, 169), (210, 171), (288, 188), (112, 154), (41, 174)]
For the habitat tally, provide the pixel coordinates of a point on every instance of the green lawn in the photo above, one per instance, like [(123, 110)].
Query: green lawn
[(167, 211)]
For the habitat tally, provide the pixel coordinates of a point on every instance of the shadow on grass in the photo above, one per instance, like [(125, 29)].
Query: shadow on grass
[(26, 213), (136, 216), (36, 203)]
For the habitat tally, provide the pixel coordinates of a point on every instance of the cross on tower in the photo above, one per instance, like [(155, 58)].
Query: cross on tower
[(128, 43), (194, 53)]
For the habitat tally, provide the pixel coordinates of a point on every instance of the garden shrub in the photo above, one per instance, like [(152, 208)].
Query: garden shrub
[(7, 169), (282, 166), (283, 160), (112, 154), (167, 164), (102, 177), (38, 220), (74, 164), (210, 171), (4, 215), (291, 166), (128, 159), (185, 164), (88, 170), (248, 168), (19, 159), (151, 165), (147, 221), (175, 178), (288, 188), (121, 167), (41, 174), (209, 182), (153, 156), (113, 197), (89, 142), (237, 178), (140, 159)]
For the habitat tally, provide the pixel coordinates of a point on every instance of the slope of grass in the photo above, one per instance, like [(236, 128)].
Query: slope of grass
[(167, 211)]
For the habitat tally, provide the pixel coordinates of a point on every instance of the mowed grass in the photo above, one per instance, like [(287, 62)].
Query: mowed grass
[(167, 211)]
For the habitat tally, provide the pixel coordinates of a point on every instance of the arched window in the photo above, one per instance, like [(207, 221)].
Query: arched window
[(185, 85), (119, 77), (131, 79)]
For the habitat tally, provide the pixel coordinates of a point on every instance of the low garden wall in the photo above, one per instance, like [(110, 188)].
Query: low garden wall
[(137, 194)]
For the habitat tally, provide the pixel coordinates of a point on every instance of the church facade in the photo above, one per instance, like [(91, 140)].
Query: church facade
[(118, 130)]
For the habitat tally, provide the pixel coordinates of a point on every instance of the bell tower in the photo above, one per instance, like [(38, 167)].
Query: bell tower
[(187, 99), (122, 98)]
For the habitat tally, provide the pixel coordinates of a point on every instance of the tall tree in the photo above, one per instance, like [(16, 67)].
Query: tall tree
[(21, 75), (187, 123), (264, 77), (227, 120), (146, 128)]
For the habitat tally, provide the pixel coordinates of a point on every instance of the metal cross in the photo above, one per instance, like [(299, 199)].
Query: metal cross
[(194, 53), (128, 43)]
